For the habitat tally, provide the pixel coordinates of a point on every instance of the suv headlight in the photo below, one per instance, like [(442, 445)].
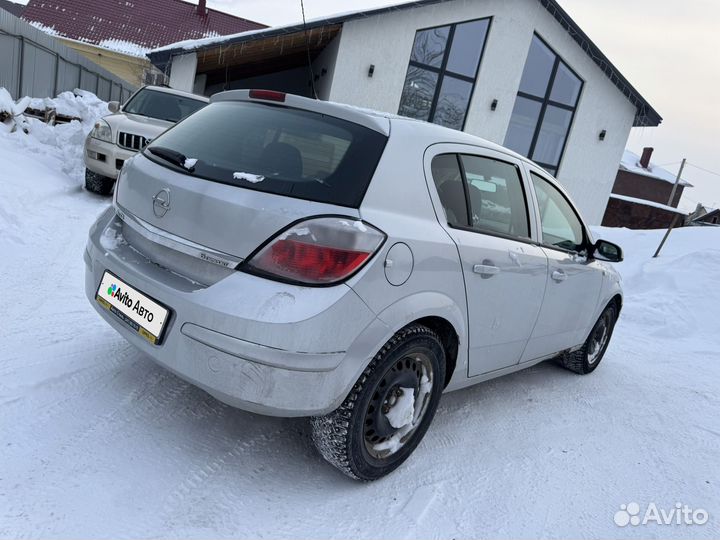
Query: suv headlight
[(102, 131)]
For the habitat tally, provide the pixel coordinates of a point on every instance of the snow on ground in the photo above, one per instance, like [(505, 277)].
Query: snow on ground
[(97, 441)]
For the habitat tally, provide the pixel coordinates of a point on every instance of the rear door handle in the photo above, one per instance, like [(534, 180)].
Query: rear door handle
[(486, 270), (559, 275)]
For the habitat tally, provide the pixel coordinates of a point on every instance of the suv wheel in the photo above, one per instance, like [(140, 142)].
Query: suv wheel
[(389, 409), (97, 183), (587, 358)]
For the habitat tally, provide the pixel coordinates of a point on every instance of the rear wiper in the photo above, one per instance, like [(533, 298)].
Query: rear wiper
[(168, 154)]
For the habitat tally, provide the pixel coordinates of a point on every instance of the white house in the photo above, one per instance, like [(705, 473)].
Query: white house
[(516, 72)]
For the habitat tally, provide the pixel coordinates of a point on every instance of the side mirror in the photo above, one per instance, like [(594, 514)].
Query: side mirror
[(114, 106), (607, 251)]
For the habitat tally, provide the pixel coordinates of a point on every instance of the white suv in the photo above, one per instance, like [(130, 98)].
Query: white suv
[(117, 137)]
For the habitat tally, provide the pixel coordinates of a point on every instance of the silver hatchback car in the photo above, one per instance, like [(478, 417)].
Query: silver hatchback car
[(301, 258)]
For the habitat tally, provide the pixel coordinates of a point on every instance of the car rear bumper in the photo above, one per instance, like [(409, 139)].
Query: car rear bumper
[(255, 344), (105, 158)]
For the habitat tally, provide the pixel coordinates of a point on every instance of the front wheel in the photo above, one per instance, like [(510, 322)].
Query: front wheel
[(587, 358), (389, 409)]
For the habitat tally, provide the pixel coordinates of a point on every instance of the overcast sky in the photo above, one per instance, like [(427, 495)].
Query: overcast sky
[(668, 50)]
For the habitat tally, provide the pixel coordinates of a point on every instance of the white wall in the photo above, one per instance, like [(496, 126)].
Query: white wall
[(588, 167), (182, 72), (326, 60)]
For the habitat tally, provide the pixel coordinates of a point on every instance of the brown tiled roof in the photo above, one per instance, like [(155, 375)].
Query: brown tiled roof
[(145, 23)]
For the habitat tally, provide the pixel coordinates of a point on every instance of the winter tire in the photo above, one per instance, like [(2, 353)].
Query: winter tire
[(97, 183), (586, 359), (389, 409)]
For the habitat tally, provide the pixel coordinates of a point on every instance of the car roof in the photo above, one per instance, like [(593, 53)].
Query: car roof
[(168, 90)]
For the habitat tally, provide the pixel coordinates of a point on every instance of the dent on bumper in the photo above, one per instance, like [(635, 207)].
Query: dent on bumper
[(253, 369)]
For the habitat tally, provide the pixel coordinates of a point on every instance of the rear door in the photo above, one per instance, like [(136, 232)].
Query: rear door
[(574, 280), (481, 201)]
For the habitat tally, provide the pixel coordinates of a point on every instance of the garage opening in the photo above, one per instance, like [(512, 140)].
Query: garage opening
[(277, 62)]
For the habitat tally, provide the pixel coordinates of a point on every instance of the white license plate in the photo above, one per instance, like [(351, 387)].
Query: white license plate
[(139, 312)]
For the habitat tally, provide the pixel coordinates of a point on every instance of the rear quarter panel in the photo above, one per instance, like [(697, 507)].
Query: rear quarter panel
[(398, 202)]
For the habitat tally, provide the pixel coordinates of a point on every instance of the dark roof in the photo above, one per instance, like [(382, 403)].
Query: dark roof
[(646, 115), (709, 215), (145, 23), (12, 7)]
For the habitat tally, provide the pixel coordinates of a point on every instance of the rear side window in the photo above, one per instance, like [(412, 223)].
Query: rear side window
[(481, 193), (277, 150), (561, 227), (449, 182), (497, 200)]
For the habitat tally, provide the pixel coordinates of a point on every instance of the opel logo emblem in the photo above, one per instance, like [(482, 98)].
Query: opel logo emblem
[(161, 203)]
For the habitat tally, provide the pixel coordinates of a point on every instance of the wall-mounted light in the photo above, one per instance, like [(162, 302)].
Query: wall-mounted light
[(371, 70), (602, 135), (493, 105)]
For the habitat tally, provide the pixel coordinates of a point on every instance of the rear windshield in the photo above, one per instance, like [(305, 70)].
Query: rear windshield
[(162, 105), (274, 149)]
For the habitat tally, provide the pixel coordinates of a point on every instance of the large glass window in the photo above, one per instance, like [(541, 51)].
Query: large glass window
[(561, 227), (481, 193), (544, 107), (441, 76)]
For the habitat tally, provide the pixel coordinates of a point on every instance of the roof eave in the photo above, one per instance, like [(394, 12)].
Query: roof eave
[(646, 115)]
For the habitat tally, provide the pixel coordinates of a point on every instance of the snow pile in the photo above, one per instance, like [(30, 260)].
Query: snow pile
[(78, 104), (62, 143), (675, 296)]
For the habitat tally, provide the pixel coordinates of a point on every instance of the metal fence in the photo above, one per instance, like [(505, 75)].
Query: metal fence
[(35, 64)]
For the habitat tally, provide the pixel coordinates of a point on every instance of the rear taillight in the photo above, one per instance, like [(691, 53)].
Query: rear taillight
[(318, 251), (268, 95)]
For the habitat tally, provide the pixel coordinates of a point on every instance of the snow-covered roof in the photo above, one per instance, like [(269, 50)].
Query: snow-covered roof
[(631, 163), (131, 28), (647, 203), (646, 115)]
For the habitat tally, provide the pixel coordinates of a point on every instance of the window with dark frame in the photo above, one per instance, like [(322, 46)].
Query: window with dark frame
[(443, 68), (544, 108), (481, 194)]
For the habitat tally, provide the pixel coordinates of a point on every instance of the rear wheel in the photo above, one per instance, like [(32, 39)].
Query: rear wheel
[(97, 183), (587, 358), (389, 409)]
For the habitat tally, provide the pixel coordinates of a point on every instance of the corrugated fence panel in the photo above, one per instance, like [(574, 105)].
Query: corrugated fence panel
[(9, 62), (89, 81), (103, 89), (68, 76), (38, 71), (115, 92), (35, 64)]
